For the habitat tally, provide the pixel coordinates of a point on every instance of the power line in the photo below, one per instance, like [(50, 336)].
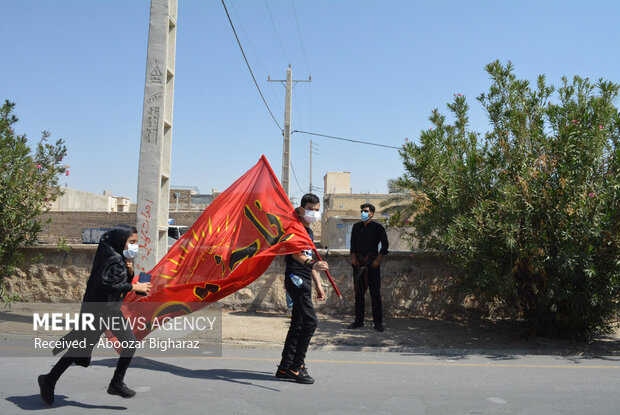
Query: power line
[(247, 36), (345, 139), (303, 51), (276, 32), (249, 39), (295, 176), (299, 35), (249, 68)]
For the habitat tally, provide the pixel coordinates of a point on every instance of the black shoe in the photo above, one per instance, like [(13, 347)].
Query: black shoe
[(283, 373), (46, 390), (379, 327), (355, 325), (305, 371), (121, 390), (301, 376)]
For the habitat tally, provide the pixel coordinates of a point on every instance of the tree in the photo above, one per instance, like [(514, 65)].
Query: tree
[(529, 213), (28, 183)]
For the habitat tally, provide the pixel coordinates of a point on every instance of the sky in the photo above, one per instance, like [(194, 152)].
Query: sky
[(77, 68)]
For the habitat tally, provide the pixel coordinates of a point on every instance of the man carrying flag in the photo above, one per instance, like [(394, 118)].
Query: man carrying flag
[(301, 271), (231, 245)]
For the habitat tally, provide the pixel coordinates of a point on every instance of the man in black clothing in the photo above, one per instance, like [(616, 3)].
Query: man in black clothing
[(366, 260), (301, 270)]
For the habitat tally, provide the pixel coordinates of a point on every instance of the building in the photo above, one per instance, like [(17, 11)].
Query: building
[(189, 198), (337, 182), (77, 215), (123, 204), (72, 200), (341, 210)]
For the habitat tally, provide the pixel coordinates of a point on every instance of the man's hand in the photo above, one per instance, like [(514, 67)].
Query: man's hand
[(320, 266), (375, 263), (320, 293), (354, 260)]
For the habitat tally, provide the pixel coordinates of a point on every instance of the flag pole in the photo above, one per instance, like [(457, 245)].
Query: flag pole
[(331, 280)]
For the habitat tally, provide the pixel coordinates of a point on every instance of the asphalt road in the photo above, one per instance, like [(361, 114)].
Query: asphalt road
[(347, 382)]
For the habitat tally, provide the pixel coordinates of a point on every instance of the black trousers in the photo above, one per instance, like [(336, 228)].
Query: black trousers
[(370, 280), (82, 357), (303, 324)]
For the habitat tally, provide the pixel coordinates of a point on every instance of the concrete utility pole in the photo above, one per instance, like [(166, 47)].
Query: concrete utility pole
[(156, 139), (310, 185), (286, 133), (286, 150)]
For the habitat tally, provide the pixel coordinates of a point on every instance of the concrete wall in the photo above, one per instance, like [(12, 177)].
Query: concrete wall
[(349, 204), (413, 284)]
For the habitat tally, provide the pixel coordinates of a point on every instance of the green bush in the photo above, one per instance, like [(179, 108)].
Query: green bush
[(530, 211), (28, 183)]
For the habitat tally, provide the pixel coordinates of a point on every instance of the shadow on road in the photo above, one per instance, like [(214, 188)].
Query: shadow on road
[(242, 377), (34, 403), (16, 318)]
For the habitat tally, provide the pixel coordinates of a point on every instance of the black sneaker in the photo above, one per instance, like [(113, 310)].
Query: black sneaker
[(303, 369), (355, 325), (301, 376), (121, 390), (283, 373), (46, 390), (379, 327)]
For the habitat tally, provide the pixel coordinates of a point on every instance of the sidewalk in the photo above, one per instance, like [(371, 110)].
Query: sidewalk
[(415, 336)]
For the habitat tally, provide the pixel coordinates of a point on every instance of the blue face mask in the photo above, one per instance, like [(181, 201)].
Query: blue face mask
[(131, 251), (365, 216)]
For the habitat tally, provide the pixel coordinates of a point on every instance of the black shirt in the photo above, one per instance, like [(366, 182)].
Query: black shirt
[(365, 239), (294, 267)]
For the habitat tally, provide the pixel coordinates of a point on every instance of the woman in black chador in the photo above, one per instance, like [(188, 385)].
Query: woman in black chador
[(109, 282)]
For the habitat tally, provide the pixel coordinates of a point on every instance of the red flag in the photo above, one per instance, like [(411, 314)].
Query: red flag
[(231, 244)]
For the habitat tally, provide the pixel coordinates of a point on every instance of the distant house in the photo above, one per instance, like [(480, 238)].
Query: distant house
[(189, 198), (341, 210), (73, 200)]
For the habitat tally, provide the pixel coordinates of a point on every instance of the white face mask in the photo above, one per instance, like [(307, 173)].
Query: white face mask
[(131, 251), (311, 216)]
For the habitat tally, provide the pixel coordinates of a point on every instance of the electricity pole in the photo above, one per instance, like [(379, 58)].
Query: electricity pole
[(156, 138), (286, 133), (310, 185)]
